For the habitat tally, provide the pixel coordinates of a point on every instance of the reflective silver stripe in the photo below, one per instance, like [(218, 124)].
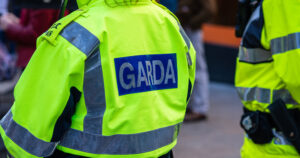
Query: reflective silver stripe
[(185, 37), (263, 95), (120, 144), (254, 55), (259, 94), (23, 138), (189, 59), (286, 43), (80, 37), (93, 84), (188, 43), (94, 94), (284, 95)]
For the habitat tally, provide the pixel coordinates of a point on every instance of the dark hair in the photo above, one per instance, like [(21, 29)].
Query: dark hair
[(115, 3)]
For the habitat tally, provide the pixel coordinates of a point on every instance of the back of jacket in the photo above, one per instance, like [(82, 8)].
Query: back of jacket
[(134, 68)]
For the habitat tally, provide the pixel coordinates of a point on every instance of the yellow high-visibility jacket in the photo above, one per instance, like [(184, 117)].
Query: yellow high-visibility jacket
[(268, 68), (106, 81)]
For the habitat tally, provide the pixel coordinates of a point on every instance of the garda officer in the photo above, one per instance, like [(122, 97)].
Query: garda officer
[(267, 80), (110, 80)]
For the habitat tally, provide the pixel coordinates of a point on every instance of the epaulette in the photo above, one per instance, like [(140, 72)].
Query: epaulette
[(52, 33)]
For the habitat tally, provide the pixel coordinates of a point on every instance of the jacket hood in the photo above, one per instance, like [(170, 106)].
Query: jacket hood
[(81, 3)]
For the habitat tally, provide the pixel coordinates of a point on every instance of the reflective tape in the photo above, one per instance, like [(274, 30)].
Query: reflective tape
[(81, 38), (24, 139), (259, 94), (93, 85), (254, 55), (94, 94), (263, 95), (286, 43), (284, 95), (185, 37), (188, 43), (120, 144)]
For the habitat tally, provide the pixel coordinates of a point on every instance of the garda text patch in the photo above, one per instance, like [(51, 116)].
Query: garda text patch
[(146, 73)]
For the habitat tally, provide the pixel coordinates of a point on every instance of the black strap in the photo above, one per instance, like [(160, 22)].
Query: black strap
[(284, 119), (63, 8), (258, 125)]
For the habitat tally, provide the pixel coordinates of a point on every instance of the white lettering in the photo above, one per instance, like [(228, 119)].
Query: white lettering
[(149, 72), (130, 77), (158, 63), (170, 72), (141, 75)]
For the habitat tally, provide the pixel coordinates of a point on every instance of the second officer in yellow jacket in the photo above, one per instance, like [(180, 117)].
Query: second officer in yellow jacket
[(267, 80)]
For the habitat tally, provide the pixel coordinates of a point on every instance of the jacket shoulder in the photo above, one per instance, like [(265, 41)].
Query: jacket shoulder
[(167, 10), (53, 32)]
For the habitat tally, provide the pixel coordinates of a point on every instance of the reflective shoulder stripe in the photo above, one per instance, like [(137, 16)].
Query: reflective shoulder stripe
[(286, 43), (81, 38), (188, 43), (94, 93), (264, 95), (254, 55), (23, 138), (120, 144), (185, 37)]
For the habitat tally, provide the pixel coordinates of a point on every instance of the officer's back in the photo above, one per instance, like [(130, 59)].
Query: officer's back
[(123, 74)]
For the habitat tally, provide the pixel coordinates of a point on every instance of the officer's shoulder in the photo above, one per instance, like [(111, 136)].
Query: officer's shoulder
[(53, 32), (166, 10)]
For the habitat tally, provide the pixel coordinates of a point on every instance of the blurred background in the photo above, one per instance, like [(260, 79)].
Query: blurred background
[(213, 134)]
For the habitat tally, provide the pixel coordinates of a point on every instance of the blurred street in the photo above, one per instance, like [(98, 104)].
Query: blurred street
[(218, 137)]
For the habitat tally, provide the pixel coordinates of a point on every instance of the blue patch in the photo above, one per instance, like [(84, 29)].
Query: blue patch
[(146, 73)]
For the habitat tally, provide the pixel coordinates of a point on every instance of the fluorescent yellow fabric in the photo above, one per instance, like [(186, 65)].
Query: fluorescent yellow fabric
[(152, 154), (147, 111), (13, 148), (133, 46), (57, 65), (82, 3), (44, 88), (280, 19), (271, 150)]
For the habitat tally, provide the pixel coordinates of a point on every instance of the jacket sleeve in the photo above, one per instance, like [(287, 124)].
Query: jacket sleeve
[(286, 64), (282, 36), (37, 22), (45, 100)]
